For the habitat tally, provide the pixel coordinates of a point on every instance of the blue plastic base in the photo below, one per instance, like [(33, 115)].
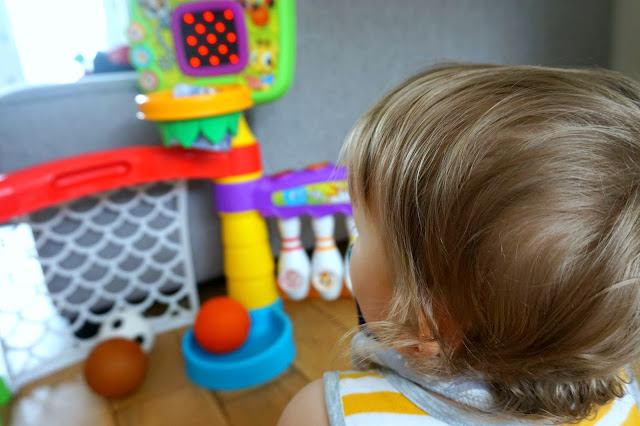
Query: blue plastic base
[(268, 351)]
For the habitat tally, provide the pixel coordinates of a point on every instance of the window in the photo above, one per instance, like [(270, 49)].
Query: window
[(53, 37)]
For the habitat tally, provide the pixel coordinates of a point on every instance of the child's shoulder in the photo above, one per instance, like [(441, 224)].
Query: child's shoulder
[(306, 407)]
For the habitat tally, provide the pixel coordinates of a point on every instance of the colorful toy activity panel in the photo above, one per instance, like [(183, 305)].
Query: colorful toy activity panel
[(249, 43), (202, 64)]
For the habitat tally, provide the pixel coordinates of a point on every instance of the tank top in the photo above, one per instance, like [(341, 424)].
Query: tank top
[(392, 395)]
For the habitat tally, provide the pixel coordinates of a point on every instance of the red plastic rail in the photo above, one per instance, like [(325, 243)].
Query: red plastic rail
[(48, 184)]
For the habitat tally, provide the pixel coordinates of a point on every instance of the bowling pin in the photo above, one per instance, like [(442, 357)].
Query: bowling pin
[(294, 267), (327, 267), (353, 234)]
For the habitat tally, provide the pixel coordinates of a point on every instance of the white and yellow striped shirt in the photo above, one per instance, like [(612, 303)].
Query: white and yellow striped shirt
[(359, 398)]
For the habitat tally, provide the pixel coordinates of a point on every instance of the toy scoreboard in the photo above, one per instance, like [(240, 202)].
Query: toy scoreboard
[(249, 43)]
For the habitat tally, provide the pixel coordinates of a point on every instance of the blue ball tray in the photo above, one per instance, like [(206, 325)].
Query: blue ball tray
[(268, 351)]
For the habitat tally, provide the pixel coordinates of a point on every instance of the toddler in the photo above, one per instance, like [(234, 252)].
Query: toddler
[(498, 260)]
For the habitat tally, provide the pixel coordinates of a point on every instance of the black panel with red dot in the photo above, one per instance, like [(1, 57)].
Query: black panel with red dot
[(209, 38)]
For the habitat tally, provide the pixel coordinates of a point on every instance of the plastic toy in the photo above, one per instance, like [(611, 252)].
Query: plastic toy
[(202, 64), (5, 397), (318, 191), (222, 325), (294, 267), (128, 325), (213, 43), (115, 367), (38, 187), (116, 182), (267, 352), (326, 263)]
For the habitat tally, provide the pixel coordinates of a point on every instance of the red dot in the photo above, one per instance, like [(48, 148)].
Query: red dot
[(211, 38), (195, 62), (214, 60), (228, 14), (192, 40), (188, 18), (231, 37), (233, 58), (200, 29), (208, 16), (220, 27), (223, 49), (203, 50)]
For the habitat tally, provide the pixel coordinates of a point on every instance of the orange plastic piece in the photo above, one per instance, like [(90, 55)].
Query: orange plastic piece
[(282, 173), (163, 106), (316, 166), (260, 16), (222, 325), (34, 188)]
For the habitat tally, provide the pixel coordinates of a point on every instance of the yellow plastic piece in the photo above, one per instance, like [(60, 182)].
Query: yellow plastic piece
[(240, 178), (163, 106), (245, 136), (248, 262)]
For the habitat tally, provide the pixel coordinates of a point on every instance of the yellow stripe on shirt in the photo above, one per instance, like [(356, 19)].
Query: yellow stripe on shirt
[(379, 402)]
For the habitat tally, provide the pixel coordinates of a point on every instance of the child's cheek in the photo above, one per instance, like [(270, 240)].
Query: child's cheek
[(355, 270)]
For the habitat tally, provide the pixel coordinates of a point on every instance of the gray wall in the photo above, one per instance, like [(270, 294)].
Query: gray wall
[(625, 55), (349, 53)]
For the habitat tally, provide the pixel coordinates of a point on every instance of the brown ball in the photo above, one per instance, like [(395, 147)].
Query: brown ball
[(115, 367)]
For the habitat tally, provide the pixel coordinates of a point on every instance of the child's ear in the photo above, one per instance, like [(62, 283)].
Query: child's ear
[(450, 332), (448, 329), (426, 349), (449, 335)]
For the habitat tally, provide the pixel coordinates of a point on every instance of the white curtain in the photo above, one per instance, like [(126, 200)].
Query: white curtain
[(45, 41), (10, 67), (117, 16)]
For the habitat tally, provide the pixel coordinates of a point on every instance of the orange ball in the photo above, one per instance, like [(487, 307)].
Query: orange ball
[(222, 325), (115, 367)]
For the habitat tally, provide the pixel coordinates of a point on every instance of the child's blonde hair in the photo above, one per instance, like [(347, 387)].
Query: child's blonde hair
[(509, 201)]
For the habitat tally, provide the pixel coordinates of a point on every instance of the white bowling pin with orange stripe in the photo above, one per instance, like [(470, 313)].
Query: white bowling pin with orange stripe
[(353, 234), (327, 267), (294, 267)]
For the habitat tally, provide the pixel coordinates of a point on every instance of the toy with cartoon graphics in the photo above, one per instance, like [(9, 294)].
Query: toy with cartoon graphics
[(213, 43), (155, 11), (229, 56), (262, 62)]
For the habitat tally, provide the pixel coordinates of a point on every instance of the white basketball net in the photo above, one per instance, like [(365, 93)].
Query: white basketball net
[(123, 249)]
